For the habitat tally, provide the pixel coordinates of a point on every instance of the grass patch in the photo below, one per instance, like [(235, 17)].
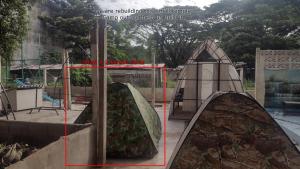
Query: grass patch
[(249, 85)]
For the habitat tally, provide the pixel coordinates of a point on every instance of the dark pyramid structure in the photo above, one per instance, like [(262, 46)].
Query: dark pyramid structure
[(133, 126), (232, 131)]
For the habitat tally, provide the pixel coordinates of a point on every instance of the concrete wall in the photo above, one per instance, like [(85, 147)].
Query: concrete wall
[(146, 92), (50, 92), (137, 77), (80, 150), (272, 60), (37, 40), (259, 77), (33, 133), (24, 99), (173, 74)]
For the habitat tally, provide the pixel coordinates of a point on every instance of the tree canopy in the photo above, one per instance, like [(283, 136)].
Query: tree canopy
[(13, 25), (70, 22), (239, 26), (265, 24)]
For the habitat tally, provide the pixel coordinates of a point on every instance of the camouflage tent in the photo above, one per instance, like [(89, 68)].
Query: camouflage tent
[(133, 126), (233, 131)]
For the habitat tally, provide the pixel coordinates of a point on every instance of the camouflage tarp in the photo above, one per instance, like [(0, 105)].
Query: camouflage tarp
[(133, 126), (232, 131)]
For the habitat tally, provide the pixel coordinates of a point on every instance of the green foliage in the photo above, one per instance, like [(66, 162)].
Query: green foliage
[(119, 46), (117, 42), (251, 24), (51, 58), (70, 21), (171, 83), (80, 77), (239, 26), (249, 84), (173, 40), (13, 25)]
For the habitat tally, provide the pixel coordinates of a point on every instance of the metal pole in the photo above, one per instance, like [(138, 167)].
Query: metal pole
[(59, 96), (219, 74), (197, 86), (0, 69), (22, 61), (39, 70), (68, 80), (45, 77), (153, 79), (1, 80), (6, 71)]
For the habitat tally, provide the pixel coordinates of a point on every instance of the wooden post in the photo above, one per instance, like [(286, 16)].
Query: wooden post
[(99, 52)]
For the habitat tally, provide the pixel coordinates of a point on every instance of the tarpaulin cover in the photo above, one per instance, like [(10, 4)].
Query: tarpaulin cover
[(232, 130), (133, 126)]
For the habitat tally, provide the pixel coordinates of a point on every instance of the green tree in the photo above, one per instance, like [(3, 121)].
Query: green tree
[(117, 42), (239, 26), (70, 21), (51, 58), (251, 24), (173, 35), (120, 45), (13, 25)]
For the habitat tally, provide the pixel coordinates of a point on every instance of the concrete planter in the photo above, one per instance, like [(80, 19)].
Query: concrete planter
[(23, 99), (49, 136)]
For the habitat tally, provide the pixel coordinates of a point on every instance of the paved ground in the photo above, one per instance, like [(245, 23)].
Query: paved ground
[(174, 130), (48, 116)]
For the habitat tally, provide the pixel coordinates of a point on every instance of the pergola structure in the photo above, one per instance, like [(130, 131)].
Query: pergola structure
[(208, 70)]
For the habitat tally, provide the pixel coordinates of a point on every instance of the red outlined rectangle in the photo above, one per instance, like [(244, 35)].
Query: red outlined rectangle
[(116, 67)]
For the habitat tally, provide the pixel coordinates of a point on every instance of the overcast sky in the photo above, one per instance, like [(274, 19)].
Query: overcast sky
[(138, 4)]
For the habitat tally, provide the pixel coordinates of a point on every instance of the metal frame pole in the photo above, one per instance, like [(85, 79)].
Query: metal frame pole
[(219, 74), (197, 86)]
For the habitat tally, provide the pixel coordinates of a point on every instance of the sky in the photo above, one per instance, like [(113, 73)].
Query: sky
[(139, 4)]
